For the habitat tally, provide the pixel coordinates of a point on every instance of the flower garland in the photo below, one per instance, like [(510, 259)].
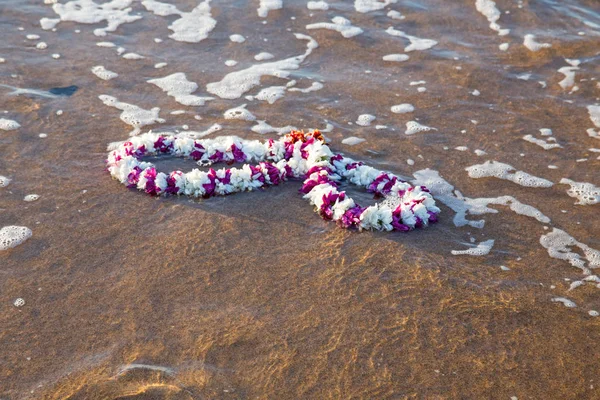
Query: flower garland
[(296, 155)]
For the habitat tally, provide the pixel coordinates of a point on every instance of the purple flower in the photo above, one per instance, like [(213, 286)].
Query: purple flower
[(210, 187), (309, 184), (272, 172), (433, 218), (337, 157), (238, 154), (257, 174), (329, 200), (353, 165), (303, 152), (218, 156), (172, 182), (198, 151), (151, 187), (134, 177), (161, 146), (227, 178), (380, 179), (352, 216)]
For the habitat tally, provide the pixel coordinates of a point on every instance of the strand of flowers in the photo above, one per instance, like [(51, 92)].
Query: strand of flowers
[(293, 156), (405, 208), (290, 156)]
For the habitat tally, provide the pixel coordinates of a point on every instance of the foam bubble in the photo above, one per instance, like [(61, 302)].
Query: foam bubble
[(396, 57), (160, 65), (31, 197), (268, 5), (263, 56), (191, 27), (594, 112), (503, 46), (56, 56), (402, 108), (530, 42), (4, 181), (41, 46), (239, 112), (235, 84), (312, 88), (352, 141), (115, 13), (177, 86), (365, 119), (338, 24), (416, 43), (49, 23), (262, 127), (586, 193), (393, 14), (542, 143), (482, 249), (566, 302), (490, 11), (103, 73), (8, 124), (106, 44), (237, 38), (32, 37), (231, 63), (413, 127), (365, 6), (558, 243), (133, 56), (271, 94), (479, 152), (12, 236), (569, 73), (132, 114), (503, 171), (317, 5)]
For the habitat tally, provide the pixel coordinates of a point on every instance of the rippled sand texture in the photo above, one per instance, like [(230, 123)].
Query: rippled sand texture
[(253, 295)]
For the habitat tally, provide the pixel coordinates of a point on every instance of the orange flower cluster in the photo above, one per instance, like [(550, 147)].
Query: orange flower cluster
[(300, 136)]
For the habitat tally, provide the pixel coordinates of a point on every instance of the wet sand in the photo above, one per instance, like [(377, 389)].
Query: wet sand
[(253, 295)]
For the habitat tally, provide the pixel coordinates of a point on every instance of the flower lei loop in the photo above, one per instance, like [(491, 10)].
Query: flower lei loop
[(295, 155)]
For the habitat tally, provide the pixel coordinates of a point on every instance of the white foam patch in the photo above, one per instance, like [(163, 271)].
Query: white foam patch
[(263, 128), (338, 24), (31, 197), (569, 73), (271, 94), (462, 206), (413, 127), (235, 84), (352, 141), (393, 14), (177, 86), (133, 115), (103, 73), (237, 38), (31, 36), (160, 65), (8, 124), (504, 171), (504, 46), (490, 11), (396, 57), (4, 181), (115, 13), (365, 6), (49, 23), (263, 56), (544, 144), (365, 119), (530, 42), (402, 108), (268, 5), (106, 44), (317, 5), (416, 44), (482, 249), (564, 301), (190, 134), (231, 63), (312, 88), (558, 243), (12, 236), (586, 193), (239, 112), (594, 112), (191, 27), (133, 56)]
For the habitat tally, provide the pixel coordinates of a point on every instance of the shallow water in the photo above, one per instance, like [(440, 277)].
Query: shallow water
[(253, 295)]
